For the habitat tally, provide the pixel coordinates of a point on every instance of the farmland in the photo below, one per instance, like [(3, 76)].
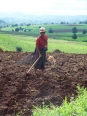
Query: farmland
[(62, 35), (59, 31), (19, 92)]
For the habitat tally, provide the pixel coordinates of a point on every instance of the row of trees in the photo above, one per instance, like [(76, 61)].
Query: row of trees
[(21, 29), (74, 31)]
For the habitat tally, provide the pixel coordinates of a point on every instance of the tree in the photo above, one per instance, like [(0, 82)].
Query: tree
[(61, 22), (25, 30), (18, 49), (74, 30), (29, 29), (28, 24), (80, 22), (74, 36), (50, 30), (12, 30), (39, 26), (84, 31), (17, 29), (85, 22), (20, 28), (16, 24)]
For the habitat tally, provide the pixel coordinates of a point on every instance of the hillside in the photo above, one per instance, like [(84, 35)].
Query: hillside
[(19, 17), (18, 91)]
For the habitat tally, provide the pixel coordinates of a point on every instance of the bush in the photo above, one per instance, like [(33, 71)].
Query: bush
[(12, 30), (39, 26), (50, 31), (74, 30), (84, 41), (17, 29), (74, 36), (18, 49), (84, 32)]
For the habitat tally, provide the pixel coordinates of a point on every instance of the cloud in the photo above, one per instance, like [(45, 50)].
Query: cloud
[(45, 7)]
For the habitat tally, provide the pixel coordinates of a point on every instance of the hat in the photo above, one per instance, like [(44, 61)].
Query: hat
[(42, 29)]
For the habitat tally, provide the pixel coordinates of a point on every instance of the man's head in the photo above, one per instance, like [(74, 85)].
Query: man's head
[(42, 30)]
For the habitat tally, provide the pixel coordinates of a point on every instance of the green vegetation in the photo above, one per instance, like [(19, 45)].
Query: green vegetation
[(77, 107), (61, 40), (27, 43), (9, 42), (19, 49), (59, 30)]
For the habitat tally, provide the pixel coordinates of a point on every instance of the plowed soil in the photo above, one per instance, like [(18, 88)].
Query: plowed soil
[(18, 91)]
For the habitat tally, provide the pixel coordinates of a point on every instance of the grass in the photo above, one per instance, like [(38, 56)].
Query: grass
[(9, 43), (35, 29), (27, 43), (77, 107), (53, 26)]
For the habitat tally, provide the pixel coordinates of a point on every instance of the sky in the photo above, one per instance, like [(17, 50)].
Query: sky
[(48, 7)]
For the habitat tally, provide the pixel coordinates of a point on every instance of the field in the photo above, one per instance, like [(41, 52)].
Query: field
[(59, 31), (19, 92), (9, 42)]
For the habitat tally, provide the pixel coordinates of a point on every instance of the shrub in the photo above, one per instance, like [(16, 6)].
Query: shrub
[(12, 30), (50, 30), (18, 49), (84, 32), (17, 29), (84, 41), (74, 36), (74, 30)]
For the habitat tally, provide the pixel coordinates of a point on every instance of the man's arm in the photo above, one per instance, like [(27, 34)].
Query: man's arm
[(47, 44)]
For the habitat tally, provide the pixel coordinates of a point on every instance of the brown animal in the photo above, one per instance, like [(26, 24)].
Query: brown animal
[(52, 60)]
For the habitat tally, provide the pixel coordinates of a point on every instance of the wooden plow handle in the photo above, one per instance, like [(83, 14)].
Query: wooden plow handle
[(32, 66)]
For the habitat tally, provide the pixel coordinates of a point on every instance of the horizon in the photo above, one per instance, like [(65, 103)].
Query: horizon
[(43, 14)]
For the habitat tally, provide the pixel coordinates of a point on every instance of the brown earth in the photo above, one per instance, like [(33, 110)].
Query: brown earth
[(1, 50), (18, 91)]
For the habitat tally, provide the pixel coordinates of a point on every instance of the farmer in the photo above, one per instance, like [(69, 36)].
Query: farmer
[(41, 48)]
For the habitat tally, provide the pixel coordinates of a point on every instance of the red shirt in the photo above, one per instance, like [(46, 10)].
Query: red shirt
[(40, 42)]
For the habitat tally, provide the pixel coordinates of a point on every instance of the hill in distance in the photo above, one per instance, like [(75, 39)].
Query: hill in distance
[(19, 17)]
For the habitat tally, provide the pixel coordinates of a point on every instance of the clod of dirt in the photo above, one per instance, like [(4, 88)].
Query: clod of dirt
[(1, 50), (56, 51)]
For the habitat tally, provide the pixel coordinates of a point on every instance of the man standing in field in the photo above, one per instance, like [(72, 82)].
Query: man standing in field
[(41, 48)]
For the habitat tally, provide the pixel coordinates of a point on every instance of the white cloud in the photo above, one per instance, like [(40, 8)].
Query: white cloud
[(44, 7)]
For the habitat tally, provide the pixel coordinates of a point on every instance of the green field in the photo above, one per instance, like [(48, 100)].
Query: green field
[(60, 39), (57, 40), (60, 31), (10, 42)]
